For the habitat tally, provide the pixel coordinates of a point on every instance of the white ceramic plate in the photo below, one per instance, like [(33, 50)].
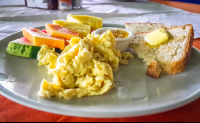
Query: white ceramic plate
[(136, 94)]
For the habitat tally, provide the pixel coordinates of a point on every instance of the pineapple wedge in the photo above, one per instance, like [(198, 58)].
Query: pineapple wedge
[(94, 22), (83, 29)]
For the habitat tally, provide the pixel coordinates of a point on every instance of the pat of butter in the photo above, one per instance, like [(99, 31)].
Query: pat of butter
[(157, 37)]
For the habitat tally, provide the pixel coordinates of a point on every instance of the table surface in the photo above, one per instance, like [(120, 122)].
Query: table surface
[(11, 111)]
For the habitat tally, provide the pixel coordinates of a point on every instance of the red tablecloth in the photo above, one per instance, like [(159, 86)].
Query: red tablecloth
[(11, 111)]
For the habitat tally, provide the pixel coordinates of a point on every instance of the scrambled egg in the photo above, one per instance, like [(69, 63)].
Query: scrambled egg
[(84, 68)]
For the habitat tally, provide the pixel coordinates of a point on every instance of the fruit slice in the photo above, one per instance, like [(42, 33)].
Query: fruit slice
[(83, 29), (25, 39), (67, 42), (94, 22), (60, 32), (22, 48), (39, 38), (44, 30)]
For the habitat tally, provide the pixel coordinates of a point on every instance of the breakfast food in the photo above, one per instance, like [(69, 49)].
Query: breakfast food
[(84, 68), (145, 27), (153, 70), (122, 37), (94, 22), (86, 64), (170, 57), (157, 37), (60, 32), (38, 38), (23, 48), (118, 33), (82, 29)]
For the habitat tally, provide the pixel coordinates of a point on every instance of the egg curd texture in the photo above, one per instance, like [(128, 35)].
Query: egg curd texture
[(84, 68)]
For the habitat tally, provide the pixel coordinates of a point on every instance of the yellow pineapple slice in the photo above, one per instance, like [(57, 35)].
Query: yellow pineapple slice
[(94, 22), (83, 29)]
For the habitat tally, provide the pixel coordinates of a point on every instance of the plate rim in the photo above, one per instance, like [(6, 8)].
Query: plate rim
[(92, 114)]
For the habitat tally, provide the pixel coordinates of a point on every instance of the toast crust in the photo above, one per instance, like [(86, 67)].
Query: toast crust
[(149, 27), (179, 66), (153, 70)]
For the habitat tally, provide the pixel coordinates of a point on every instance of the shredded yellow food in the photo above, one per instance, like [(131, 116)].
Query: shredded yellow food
[(84, 68)]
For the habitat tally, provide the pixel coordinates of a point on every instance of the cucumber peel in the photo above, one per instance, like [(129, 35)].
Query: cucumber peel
[(23, 50)]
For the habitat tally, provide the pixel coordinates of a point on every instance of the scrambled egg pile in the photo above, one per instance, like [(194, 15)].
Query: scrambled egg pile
[(84, 68)]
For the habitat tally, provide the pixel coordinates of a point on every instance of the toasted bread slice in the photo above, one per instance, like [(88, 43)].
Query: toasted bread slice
[(153, 70), (172, 57), (145, 27)]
